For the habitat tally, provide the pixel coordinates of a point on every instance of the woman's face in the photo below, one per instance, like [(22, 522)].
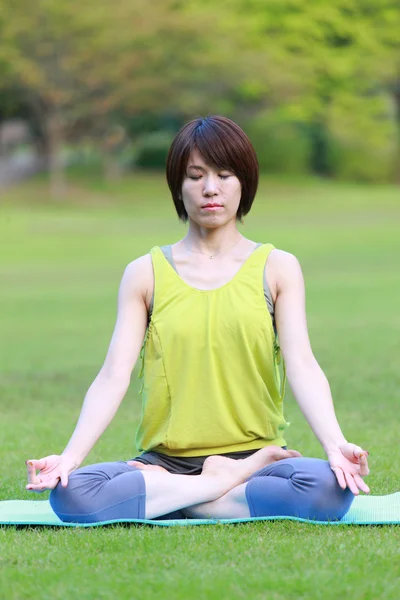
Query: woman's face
[(211, 196)]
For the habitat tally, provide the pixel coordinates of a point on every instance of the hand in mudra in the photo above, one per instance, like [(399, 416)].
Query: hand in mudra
[(52, 469), (350, 464)]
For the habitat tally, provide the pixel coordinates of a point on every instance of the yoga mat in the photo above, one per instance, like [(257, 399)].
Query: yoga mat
[(365, 510)]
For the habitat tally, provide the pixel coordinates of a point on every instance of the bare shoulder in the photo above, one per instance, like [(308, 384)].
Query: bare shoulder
[(282, 269), (139, 269), (138, 277)]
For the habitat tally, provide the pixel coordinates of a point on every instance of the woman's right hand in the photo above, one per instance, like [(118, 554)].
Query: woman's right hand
[(52, 469)]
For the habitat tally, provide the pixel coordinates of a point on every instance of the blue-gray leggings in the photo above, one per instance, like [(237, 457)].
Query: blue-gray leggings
[(300, 487)]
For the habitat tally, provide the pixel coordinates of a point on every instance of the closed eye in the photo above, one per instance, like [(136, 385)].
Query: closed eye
[(223, 177)]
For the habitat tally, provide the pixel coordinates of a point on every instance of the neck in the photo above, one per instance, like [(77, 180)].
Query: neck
[(211, 241)]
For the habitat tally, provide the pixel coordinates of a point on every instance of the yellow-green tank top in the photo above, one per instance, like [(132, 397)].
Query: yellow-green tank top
[(210, 365)]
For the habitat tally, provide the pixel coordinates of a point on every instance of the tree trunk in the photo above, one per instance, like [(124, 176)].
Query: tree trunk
[(396, 96), (112, 170), (111, 140), (58, 186)]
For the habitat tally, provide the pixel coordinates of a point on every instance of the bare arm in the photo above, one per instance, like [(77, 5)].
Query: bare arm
[(307, 380), (110, 386)]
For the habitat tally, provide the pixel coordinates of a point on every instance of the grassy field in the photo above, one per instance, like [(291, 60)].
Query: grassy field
[(60, 266)]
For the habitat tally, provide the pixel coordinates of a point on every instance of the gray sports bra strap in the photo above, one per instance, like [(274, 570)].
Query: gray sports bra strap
[(267, 295), (167, 251)]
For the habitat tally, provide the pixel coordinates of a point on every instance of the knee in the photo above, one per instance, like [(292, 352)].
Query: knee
[(73, 500), (328, 501)]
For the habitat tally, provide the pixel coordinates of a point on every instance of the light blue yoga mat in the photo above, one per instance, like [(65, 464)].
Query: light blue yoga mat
[(365, 510)]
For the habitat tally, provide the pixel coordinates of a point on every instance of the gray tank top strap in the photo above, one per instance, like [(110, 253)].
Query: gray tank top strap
[(167, 251), (267, 294)]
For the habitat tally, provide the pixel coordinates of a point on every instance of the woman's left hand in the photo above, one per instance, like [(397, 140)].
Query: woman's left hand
[(350, 464)]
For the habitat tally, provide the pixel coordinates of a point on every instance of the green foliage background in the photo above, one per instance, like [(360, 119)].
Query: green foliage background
[(317, 84)]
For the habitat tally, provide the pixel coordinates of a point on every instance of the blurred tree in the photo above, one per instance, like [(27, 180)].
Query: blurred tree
[(44, 47), (89, 63), (309, 58), (90, 68)]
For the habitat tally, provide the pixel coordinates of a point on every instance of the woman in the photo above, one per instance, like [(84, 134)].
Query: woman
[(210, 309)]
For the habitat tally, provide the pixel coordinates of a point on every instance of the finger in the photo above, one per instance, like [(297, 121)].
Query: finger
[(360, 454), (37, 464), (295, 453), (42, 486), (351, 484), (340, 477), (33, 489), (361, 484), (364, 470), (63, 478), (31, 472), (357, 451), (36, 484)]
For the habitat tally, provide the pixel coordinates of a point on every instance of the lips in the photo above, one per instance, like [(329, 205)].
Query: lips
[(212, 205)]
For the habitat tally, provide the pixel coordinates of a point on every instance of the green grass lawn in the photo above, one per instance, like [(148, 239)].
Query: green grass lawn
[(60, 267)]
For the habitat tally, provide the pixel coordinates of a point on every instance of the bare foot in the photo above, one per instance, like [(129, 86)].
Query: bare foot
[(266, 456), (143, 467), (238, 470)]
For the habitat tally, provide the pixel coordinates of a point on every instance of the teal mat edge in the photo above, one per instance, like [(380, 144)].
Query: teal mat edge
[(189, 522), (46, 517)]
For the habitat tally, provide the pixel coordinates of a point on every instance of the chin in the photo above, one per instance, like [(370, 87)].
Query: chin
[(212, 223)]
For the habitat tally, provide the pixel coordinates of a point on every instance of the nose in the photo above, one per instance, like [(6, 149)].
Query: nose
[(210, 185)]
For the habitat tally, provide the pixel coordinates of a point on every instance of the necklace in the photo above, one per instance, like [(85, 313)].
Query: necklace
[(210, 256)]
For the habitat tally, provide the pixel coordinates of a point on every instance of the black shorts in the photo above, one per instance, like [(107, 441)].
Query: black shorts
[(188, 465)]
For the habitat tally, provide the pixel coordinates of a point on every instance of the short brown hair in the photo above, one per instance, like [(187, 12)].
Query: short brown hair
[(222, 143)]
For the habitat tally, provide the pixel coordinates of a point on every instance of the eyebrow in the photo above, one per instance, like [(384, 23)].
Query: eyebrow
[(202, 168)]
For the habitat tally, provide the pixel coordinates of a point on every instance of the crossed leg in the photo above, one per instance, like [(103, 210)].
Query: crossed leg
[(110, 491), (227, 488), (299, 487)]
